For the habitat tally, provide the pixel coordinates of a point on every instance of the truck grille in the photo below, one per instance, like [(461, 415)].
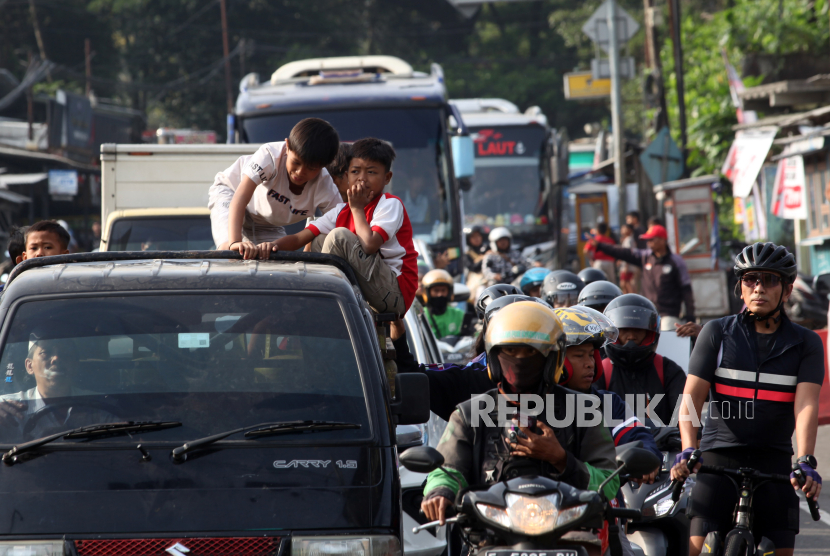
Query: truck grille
[(225, 546)]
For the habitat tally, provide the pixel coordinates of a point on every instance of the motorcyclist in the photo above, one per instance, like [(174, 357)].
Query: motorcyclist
[(561, 288), (450, 384), (633, 366), (590, 275), (531, 282), (476, 248), (503, 263), (597, 295), (443, 318), (763, 374), (587, 331), (525, 352)]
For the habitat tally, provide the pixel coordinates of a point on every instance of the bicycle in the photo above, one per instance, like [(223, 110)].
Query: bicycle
[(739, 540)]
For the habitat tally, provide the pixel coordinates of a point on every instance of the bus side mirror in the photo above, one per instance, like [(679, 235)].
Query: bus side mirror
[(463, 156)]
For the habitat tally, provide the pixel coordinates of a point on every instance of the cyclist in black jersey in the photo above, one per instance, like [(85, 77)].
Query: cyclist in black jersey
[(763, 374)]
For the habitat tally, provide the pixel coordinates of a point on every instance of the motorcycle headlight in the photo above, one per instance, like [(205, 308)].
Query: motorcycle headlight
[(663, 506), (369, 545), (31, 548), (570, 514), (492, 513)]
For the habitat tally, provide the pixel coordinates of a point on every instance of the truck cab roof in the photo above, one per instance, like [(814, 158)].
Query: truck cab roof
[(332, 83), (197, 271)]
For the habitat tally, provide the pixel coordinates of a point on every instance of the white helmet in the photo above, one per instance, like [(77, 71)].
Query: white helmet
[(498, 233)]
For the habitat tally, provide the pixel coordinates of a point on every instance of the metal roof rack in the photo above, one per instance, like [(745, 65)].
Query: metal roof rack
[(113, 256)]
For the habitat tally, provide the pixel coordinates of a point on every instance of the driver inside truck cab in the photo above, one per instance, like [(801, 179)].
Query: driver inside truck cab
[(52, 363)]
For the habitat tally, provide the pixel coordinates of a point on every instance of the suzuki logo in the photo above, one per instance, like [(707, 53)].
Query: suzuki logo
[(178, 549)]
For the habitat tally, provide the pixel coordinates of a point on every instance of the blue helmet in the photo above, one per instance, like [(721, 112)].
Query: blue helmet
[(533, 278)]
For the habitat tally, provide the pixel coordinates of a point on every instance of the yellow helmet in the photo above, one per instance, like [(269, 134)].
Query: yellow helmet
[(526, 323), (584, 325), (435, 277)]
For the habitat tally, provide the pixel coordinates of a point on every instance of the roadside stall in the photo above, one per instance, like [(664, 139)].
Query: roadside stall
[(590, 204), (691, 222)]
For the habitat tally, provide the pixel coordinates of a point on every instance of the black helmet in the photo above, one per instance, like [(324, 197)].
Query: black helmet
[(590, 275), (633, 311), (491, 293), (597, 295), (503, 301), (473, 230), (766, 256), (562, 287)]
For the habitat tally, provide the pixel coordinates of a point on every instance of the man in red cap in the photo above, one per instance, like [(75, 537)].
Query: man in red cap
[(665, 282)]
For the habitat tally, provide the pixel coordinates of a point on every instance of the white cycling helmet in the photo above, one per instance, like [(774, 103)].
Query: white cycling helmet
[(499, 233)]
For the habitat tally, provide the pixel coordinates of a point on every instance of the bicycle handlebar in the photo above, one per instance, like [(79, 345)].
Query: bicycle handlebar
[(677, 486), (811, 502), (743, 472)]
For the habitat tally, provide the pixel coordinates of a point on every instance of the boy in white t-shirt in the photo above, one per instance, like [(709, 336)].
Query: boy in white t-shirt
[(372, 232), (280, 184)]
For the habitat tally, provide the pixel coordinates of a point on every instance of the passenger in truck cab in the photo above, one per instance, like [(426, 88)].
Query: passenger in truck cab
[(46, 238), (280, 184)]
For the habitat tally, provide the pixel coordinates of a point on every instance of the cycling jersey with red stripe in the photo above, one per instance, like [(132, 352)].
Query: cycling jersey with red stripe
[(754, 378)]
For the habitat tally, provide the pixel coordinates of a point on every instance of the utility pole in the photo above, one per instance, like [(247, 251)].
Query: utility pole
[(616, 107), (38, 36), (88, 64), (674, 14), (654, 63), (225, 49), (30, 108)]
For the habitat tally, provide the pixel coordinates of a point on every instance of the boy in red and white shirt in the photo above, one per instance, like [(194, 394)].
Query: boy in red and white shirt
[(372, 232)]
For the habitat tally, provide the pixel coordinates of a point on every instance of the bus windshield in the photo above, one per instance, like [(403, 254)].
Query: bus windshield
[(509, 180), (420, 171)]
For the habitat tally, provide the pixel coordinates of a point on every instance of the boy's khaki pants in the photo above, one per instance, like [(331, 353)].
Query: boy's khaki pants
[(376, 279)]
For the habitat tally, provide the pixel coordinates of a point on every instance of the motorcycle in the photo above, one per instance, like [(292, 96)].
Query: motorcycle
[(530, 515), (806, 306), (663, 527), (456, 349)]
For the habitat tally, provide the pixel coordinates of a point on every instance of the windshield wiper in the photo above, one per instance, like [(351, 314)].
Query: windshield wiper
[(100, 430), (263, 429)]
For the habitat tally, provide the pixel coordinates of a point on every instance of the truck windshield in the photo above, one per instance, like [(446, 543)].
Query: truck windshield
[(212, 362), (180, 233), (508, 184), (420, 171)]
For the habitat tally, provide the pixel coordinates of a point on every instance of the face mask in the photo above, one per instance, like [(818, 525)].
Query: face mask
[(522, 374), (507, 250), (438, 305)]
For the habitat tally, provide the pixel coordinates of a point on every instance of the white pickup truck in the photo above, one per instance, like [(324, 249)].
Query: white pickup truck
[(154, 197)]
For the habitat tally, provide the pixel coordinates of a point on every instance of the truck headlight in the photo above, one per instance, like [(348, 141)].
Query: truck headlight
[(530, 515), (31, 548), (368, 545)]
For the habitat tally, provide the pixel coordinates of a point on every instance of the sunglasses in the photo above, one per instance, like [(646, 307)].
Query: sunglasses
[(752, 279)]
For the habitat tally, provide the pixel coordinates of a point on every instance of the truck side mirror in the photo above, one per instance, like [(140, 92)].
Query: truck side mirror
[(411, 403), (463, 156)]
